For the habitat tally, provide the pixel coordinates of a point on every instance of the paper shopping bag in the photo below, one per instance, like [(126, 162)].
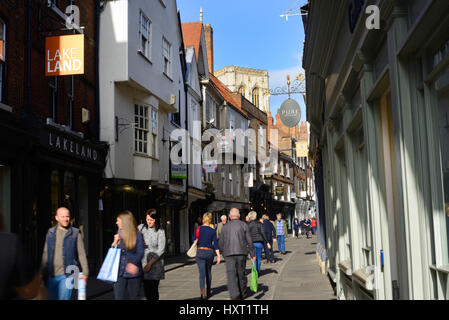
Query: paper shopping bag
[(109, 269)]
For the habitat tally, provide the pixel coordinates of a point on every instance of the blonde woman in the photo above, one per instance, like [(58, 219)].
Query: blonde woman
[(131, 243), (258, 236), (207, 243)]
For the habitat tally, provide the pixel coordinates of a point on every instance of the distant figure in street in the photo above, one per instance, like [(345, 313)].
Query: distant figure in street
[(259, 238), (270, 233), (17, 279), (281, 232), (235, 241), (301, 226), (199, 222), (207, 244), (307, 226), (220, 225), (131, 243), (247, 219), (313, 224), (64, 247), (296, 227), (153, 262)]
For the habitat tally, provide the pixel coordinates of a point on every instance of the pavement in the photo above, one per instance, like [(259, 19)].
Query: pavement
[(295, 276)]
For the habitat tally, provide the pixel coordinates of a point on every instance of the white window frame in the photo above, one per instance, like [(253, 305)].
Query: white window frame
[(282, 168), (154, 131), (146, 52), (141, 129), (287, 169), (166, 57), (231, 184)]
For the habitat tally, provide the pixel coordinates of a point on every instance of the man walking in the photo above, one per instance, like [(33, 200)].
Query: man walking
[(235, 242), (270, 232), (281, 232), (63, 253), (220, 225), (307, 225)]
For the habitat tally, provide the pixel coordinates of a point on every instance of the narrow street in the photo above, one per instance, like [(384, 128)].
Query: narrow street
[(294, 276)]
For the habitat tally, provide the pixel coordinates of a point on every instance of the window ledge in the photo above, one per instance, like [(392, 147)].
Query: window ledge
[(5, 107), (144, 56), (168, 77), (345, 266), (142, 155), (444, 268)]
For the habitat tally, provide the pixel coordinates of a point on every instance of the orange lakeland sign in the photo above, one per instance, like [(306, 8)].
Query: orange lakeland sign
[(64, 55)]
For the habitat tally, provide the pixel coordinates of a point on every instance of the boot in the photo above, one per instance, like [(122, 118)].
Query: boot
[(235, 298), (203, 294), (209, 293)]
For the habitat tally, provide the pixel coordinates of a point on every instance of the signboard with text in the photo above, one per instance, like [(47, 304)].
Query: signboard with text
[(64, 55)]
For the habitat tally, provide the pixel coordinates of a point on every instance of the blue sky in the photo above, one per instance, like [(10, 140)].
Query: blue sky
[(251, 33)]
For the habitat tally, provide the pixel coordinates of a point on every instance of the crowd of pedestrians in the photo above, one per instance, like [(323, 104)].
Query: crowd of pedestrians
[(141, 259)]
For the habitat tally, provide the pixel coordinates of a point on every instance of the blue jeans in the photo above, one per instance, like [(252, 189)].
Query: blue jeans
[(59, 288), (258, 246), (205, 259), (269, 252), (281, 243)]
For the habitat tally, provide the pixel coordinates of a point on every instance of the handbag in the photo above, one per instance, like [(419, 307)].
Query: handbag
[(254, 278), (109, 268), (191, 253)]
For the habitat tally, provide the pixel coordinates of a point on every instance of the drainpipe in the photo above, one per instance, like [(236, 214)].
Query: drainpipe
[(97, 69), (29, 108)]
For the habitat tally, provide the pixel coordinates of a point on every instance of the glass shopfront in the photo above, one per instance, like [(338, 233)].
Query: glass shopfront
[(5, 196)]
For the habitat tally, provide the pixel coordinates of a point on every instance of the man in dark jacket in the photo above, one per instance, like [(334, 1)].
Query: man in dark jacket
[(63, 254), (235, 242), (270, 232)]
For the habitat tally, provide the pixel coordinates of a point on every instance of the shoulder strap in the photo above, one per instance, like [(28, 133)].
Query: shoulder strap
[(198, 232)]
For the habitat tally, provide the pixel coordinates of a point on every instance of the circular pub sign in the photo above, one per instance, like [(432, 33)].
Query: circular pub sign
[(290, 113)]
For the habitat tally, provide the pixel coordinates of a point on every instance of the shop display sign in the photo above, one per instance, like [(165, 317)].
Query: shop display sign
[(64, 55), (178, 171), (279, 190)]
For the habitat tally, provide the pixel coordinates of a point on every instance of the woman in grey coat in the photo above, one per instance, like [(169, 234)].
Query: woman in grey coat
[(153, 262)]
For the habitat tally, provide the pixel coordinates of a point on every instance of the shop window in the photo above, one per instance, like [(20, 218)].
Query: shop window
[(83, 210), (54, 194), (69, 192), (5, 197)]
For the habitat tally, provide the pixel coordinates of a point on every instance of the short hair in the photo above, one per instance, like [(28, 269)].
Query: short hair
[(223, 217), (234, 212), (207, 218), (279, 214), (252, 215), (265, 217), (62, 209)]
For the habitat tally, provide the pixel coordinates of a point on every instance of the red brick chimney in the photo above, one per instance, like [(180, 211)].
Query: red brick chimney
[(209, 35)]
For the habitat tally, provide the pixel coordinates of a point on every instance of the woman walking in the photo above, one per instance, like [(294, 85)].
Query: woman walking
[(152, 262), (259, 237), (130, 241), (207, 243)]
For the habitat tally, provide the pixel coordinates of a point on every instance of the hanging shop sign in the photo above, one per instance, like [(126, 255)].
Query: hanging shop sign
[(302, 149), (290, 113), (279, 190), (178, 171), (64, 55)]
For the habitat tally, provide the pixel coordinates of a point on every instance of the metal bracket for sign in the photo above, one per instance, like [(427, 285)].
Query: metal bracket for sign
[(52, 6), (297, 87)]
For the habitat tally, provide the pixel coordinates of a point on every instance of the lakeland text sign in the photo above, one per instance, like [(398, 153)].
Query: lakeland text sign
[(64, 55)]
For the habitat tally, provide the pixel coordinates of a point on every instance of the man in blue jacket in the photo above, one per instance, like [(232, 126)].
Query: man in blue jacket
[(270, 232)]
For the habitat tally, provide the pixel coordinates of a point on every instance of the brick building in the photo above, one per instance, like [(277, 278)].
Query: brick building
[(50, 155)]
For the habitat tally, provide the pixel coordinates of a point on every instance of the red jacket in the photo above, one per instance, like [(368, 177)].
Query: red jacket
[(313, 223)]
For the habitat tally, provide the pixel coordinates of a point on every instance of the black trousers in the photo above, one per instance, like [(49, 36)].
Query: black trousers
[(151, 288), (127, 288), (235, 270)]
